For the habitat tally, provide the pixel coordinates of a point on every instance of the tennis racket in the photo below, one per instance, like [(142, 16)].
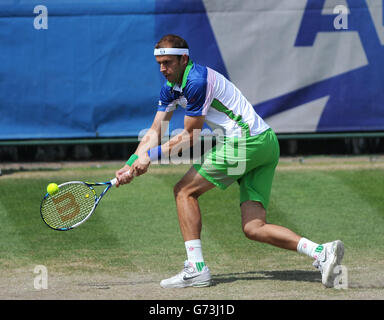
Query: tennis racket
[(73, 204)]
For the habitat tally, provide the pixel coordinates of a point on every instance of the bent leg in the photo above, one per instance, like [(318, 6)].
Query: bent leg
[(256, 228), (186, 192)]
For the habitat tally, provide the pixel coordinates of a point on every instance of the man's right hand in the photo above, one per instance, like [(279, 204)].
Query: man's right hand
[(123, 177)]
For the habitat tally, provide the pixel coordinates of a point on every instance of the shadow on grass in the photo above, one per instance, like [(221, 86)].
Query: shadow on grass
[(282, 275)]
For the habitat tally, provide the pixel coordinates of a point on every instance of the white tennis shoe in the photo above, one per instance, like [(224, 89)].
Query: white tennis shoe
[(328, 260), (188, 277)]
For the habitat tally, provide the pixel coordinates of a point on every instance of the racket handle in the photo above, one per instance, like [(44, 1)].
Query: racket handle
[(114, 180)]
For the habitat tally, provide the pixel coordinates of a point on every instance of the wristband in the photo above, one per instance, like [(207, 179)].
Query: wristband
[(132, 159), (155, 153)]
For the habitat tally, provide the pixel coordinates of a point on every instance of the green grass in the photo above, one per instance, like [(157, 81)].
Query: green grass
[(135, 227)]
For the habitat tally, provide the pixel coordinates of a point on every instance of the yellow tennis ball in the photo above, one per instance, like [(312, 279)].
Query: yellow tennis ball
[(52, 189), (87, 195)]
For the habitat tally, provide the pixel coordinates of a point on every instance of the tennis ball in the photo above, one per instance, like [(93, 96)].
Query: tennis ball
[(52, 189)]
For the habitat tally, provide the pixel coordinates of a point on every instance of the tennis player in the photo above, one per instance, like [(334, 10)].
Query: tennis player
[(247, 153)]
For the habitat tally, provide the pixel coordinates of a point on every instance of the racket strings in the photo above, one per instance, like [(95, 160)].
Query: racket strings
[(72, 204)]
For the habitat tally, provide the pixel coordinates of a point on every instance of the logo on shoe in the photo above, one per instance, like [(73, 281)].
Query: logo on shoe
[(186, 277)]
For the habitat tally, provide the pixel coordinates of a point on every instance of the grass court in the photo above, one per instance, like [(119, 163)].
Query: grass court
[(133, 240)]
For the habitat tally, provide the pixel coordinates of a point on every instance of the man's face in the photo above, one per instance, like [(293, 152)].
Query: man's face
[(172, 67)]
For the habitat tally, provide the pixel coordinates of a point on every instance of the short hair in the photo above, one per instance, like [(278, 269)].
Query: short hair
[(173, 40)]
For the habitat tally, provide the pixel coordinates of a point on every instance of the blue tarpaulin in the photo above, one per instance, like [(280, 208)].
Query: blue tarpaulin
[(90, 71)]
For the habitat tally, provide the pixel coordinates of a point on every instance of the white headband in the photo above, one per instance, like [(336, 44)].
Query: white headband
[(171, 51)]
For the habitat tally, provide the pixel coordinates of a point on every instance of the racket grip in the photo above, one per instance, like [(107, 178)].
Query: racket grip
[(114, 180)]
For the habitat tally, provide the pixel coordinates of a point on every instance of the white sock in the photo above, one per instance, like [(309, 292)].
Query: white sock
[(195, 253), (309, 248)]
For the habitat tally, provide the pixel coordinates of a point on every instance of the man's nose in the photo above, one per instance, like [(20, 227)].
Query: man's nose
[(162, 68)]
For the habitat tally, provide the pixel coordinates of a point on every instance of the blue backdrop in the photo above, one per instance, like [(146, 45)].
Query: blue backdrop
[(91, 72)]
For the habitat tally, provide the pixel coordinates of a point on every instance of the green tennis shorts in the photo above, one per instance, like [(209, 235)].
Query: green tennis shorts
[(249, 160)]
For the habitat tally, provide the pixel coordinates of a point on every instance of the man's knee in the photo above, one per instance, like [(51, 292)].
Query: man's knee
[(253, 220), (254, 230), (178, 189), (182, 190)]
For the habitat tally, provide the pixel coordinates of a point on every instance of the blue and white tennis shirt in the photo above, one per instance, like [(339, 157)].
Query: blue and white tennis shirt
[(204, 91)]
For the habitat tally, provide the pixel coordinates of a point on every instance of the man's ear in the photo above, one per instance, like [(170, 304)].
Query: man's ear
[(185, 59)]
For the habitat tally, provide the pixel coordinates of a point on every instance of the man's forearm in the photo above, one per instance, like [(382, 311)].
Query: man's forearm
[(150, 140), (180, 142), (153, 136)]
